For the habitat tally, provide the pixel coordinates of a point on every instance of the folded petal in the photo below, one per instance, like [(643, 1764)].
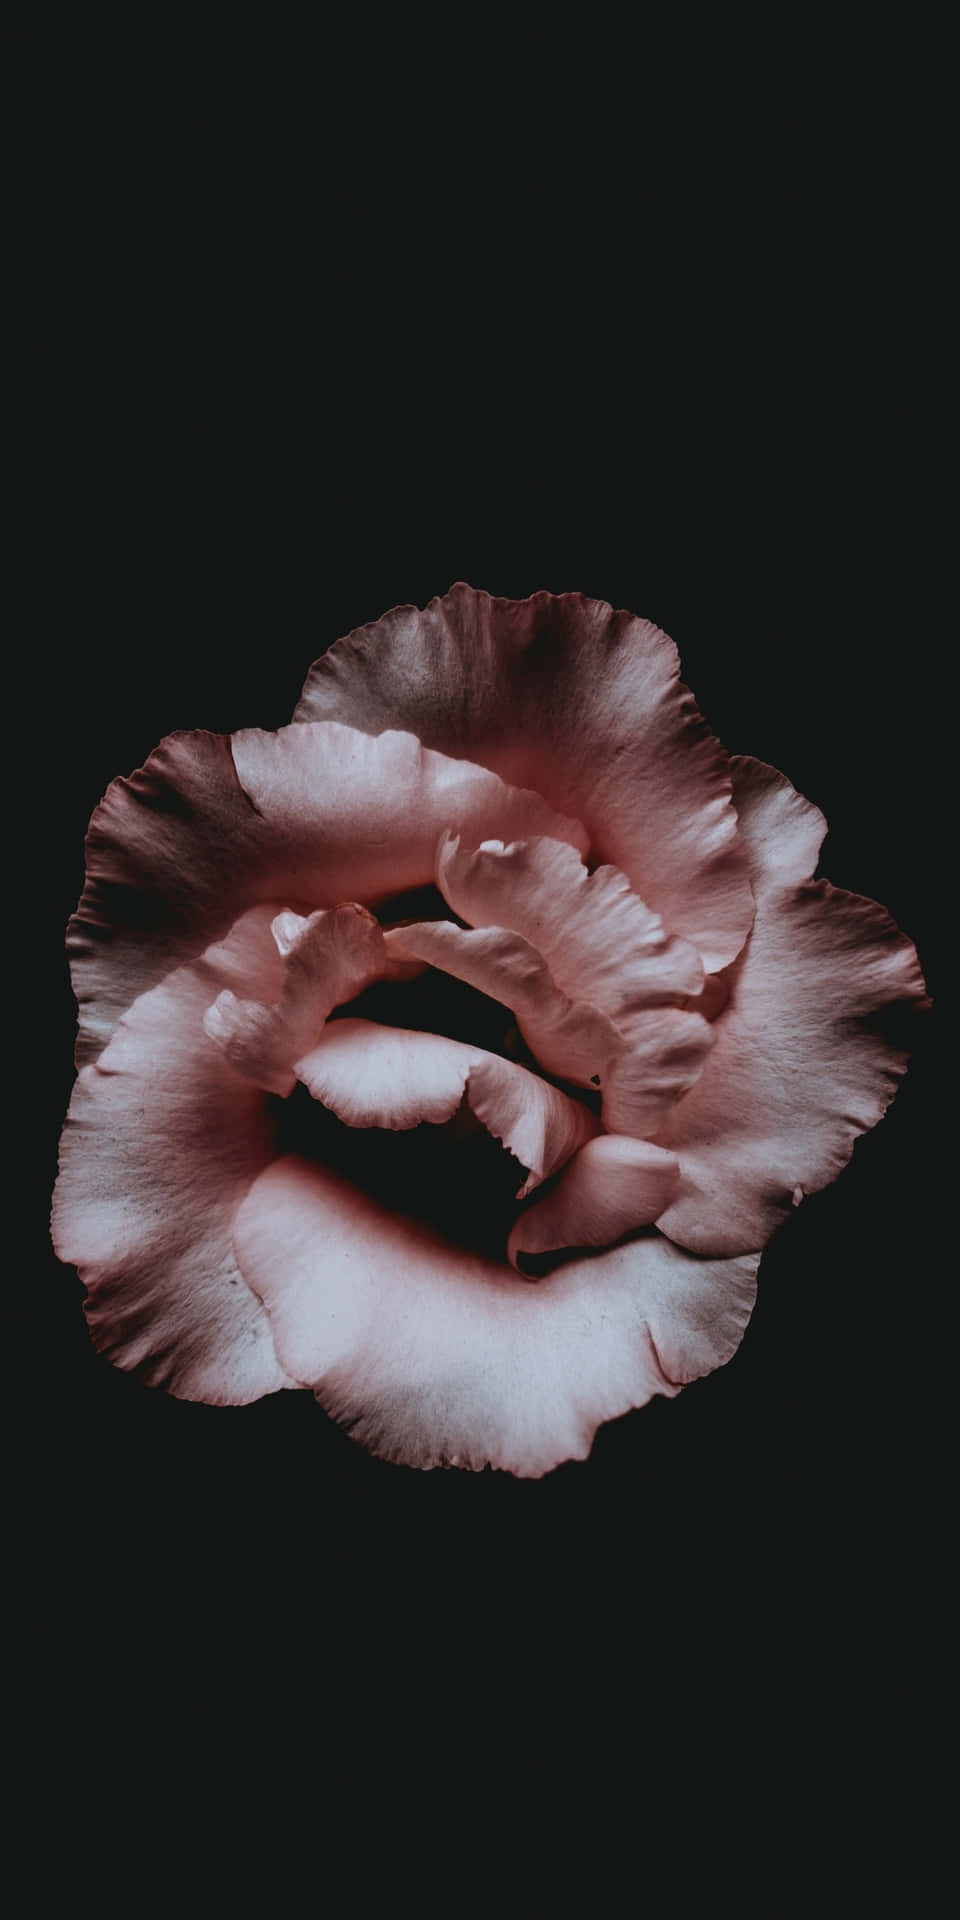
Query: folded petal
[(376, 1076), (600, 942), (433, 1356), (306, 817), (800, 1066), (161, 1142), (611, 1187), (329, 958), (639, 1069), (580, 701), (662, 1059), (569, 1038)]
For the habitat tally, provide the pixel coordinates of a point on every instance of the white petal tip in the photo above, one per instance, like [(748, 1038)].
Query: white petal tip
[(286, 930)]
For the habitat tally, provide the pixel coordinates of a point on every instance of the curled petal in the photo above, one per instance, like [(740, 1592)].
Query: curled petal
[(433, 1357), (376, 1076), (329, 958), (308, 816), (611, 1187), (580, 701), (161, 1142), (600, 942), (568, 1037), (640, 1069), (800, 1066)]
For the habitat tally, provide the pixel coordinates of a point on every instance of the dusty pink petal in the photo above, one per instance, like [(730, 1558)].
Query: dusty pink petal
[(783, 832), (664, 1057), (609, 1188), (162, 1141), (569, 1038), (434, 1356), (583, 703), (328, 958), (639, 1069), (374, 809), (375, 1076), (798, 1069), (600, 942), (712, 998), (308, 816)]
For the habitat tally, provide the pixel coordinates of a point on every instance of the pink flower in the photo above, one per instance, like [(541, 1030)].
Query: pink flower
[(679, 1038)]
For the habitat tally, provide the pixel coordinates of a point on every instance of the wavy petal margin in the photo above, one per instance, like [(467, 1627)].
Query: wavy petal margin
[(584, 703), (162, 1141), (434, 1357), (375, 1076), (800, 1066), (308, 816)]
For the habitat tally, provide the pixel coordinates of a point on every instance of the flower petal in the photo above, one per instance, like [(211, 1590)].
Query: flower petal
[(433, 1356), (568, 1037), (662, 1060), (600, 942), (308, 816), (376, 1076), (329, 958), (582, 702), (783, 832), (161, 1142), (611, 1187), (799, 1069), (639, 1070)]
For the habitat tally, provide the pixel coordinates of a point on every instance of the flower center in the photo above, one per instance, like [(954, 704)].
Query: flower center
[(454, 1178)]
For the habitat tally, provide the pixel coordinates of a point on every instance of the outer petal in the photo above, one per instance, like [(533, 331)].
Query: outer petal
[(582, 702), (611, 1187), (600, 942), (436, 1357), (663, 1060), (799, 1069), (307, 816), (162, 1141), (374, 1076), (783, 832)]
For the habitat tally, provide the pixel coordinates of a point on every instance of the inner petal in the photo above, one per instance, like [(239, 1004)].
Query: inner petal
[(613, 1186), (398, 1074), (377, 1076), (569, 1038), (640, 1069), (599, 940), (329, 957)]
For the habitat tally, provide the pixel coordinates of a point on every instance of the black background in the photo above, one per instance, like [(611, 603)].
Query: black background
[(298, 366)]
